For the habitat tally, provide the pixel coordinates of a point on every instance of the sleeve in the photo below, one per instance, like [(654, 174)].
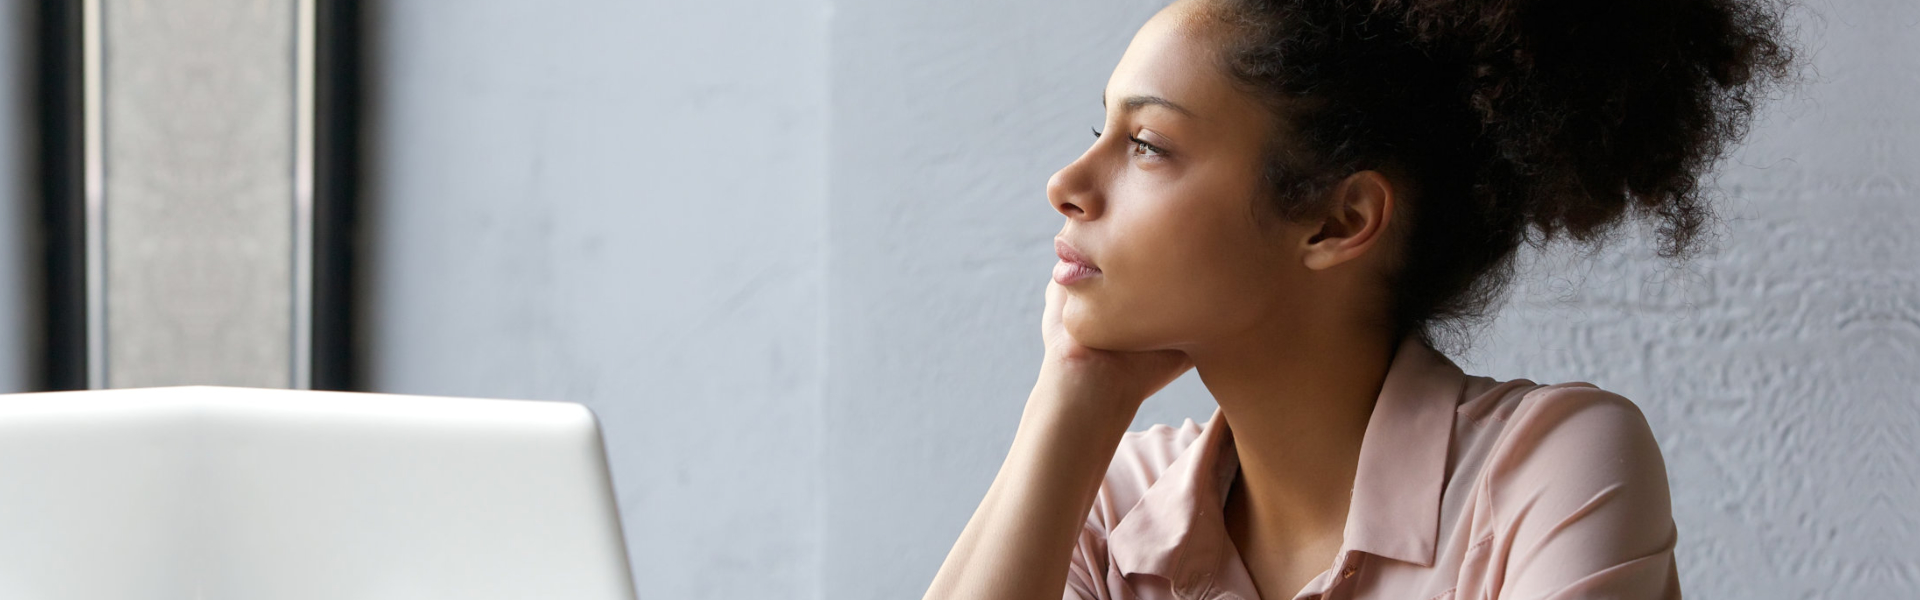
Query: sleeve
[(1137, 464), (1582, 493), (1127, 477), (1087, 569)]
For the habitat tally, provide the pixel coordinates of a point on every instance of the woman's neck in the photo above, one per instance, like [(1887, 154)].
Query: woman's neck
[(1298, 411)]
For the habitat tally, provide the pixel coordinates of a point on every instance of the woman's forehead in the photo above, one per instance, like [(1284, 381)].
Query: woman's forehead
[(1174, 62)]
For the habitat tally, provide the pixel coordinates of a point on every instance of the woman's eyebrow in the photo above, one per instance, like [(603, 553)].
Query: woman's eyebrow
[(1133, 103)]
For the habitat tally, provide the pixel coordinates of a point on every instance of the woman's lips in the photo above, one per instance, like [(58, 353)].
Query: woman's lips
[(1066, 273), (1073, 267)]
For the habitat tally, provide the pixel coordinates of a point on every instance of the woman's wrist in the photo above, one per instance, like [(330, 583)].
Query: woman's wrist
[(1084, 397)]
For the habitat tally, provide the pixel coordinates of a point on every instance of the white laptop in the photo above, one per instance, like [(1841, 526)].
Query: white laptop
[(209, 493)]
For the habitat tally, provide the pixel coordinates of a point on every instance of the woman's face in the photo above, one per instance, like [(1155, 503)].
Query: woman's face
[(1163, 203)]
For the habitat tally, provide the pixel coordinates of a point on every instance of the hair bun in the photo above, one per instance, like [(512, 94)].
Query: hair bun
[(1520, 120)]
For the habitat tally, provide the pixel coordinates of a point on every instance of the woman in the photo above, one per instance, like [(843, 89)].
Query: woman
[(1298, 198)]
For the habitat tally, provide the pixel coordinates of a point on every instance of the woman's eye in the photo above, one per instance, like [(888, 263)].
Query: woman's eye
[(1142, 148)]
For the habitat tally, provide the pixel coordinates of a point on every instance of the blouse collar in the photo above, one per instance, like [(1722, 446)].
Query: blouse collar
[(1177, 530)]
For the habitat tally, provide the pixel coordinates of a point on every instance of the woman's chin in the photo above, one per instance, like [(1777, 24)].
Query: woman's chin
[(1101, 334)]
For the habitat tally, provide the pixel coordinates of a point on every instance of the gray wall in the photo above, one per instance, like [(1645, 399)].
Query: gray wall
[(620, 204), (793, 252)]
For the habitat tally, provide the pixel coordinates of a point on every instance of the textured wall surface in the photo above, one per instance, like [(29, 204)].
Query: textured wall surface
[(796, 262), (620, 204)]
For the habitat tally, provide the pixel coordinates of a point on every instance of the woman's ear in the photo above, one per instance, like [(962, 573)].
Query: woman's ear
[(1363, 204)]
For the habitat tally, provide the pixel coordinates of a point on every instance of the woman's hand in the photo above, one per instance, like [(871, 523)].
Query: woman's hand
[(1125, 377), (1018, 544)]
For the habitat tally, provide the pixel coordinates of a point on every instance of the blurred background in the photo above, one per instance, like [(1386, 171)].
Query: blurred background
[(792, 253)]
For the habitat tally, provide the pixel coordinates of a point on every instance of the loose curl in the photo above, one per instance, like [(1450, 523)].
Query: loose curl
[(1516, 121)]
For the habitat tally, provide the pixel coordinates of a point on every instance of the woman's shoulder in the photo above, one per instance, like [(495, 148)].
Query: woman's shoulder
[(1523, 413), (1568, 484), (1519, 399), (1562, 442)]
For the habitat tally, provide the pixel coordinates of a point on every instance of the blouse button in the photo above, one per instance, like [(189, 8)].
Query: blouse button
[(1348, 572)]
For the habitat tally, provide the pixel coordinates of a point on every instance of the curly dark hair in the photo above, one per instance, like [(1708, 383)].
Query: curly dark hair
[(1517, 121)]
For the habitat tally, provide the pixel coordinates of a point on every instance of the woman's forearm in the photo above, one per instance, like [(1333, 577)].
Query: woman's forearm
[(1018, 542)]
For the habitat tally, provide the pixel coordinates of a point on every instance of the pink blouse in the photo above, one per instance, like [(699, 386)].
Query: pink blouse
[(1467, 488)]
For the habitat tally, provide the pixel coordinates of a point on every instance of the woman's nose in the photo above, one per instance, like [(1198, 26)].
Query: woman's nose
[(1071, 192)]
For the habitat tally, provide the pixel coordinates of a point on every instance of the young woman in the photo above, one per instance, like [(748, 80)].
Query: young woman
[(1296, 198)]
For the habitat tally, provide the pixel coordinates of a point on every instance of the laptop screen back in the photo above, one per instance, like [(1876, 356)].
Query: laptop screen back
[(216, 493)]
